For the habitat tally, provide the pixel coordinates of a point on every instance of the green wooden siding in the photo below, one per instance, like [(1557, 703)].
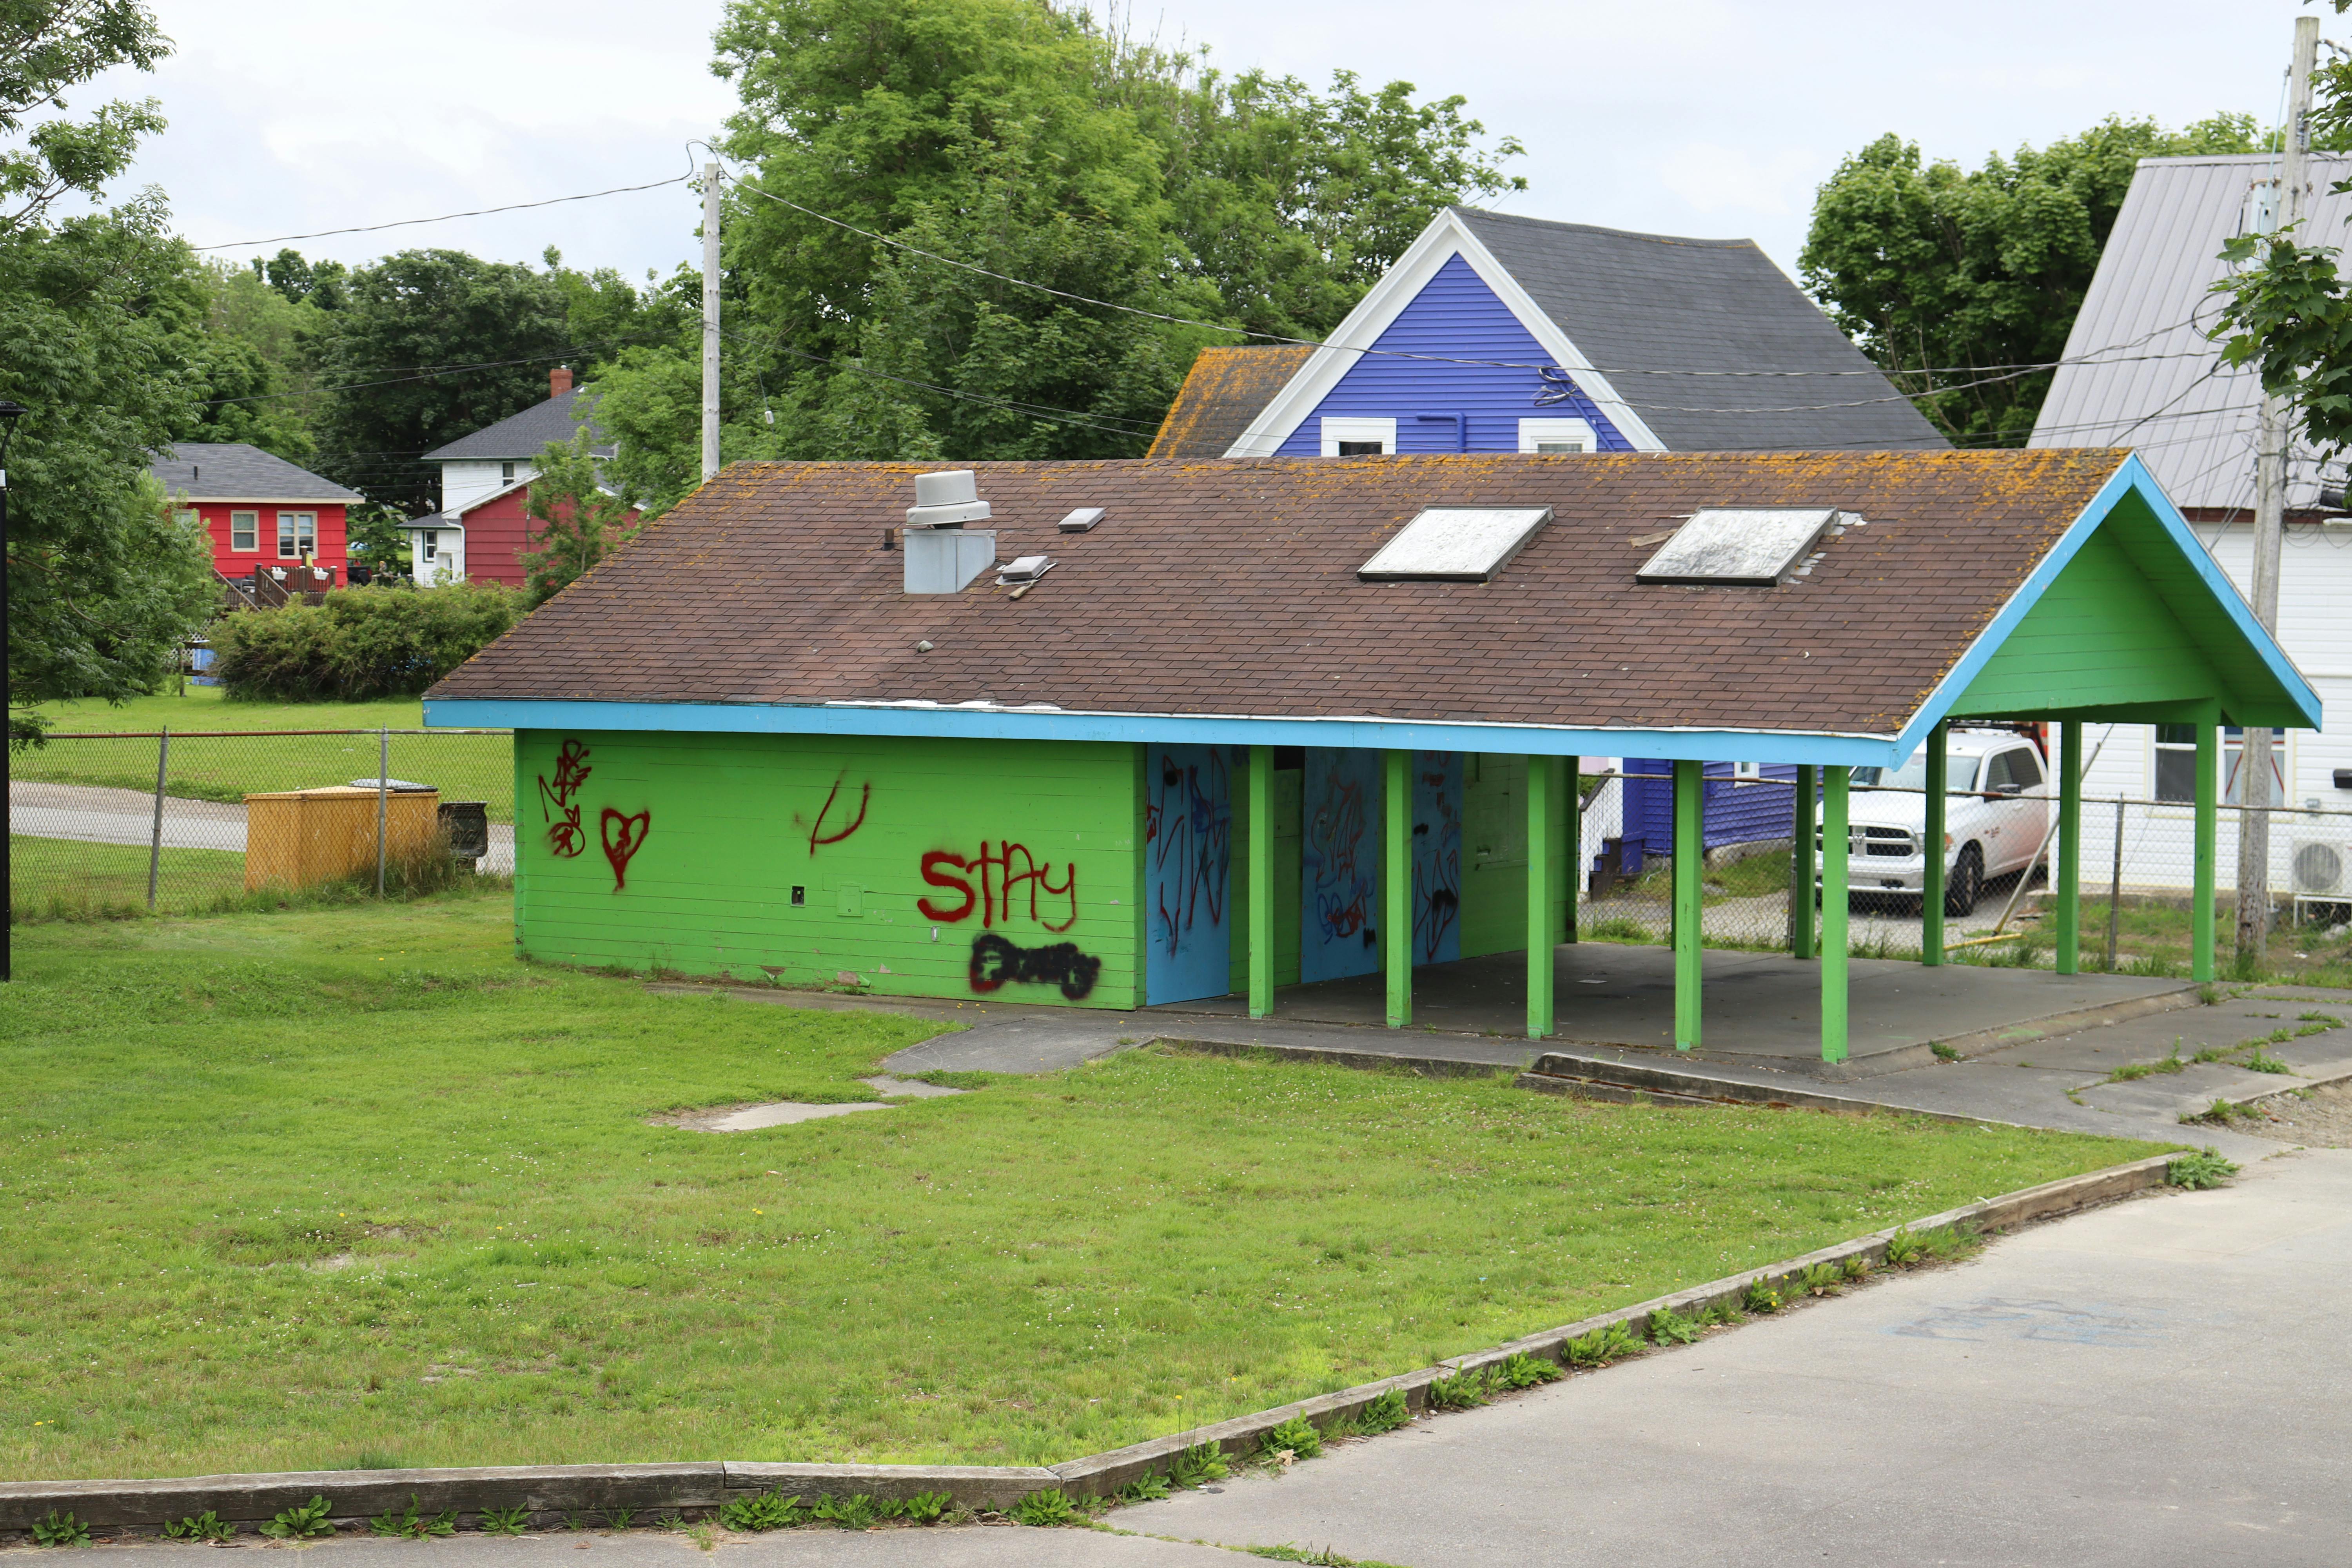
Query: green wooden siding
[(2101, 634), (1044, 835)]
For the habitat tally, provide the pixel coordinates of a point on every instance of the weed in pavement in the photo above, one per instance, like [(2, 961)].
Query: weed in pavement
[(1148, 1487), (1760, 1296), (504, 1521), (1668, 1327), (1463, 1391), (414, 1522), (2205, 1168), (1610, 1341), (1521, 1370), (771, 1509), (1384, 1412), (1045, 1509), (1198, 1466), (60, 1530), (1296, 1437), (207, 1526), (302, 1523)]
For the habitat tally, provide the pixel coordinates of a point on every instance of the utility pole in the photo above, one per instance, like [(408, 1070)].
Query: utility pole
[(710, 317), (2270, 529)]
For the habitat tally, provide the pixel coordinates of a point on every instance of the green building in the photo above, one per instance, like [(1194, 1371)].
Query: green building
[(1124, 733)]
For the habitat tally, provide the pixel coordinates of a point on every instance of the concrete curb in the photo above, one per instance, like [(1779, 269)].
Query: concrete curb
[(698, 1490)]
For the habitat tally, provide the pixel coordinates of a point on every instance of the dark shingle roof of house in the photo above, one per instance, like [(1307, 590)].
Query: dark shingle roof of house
[(1223, 391), (232, 470), (1638, 304), (1228, 586), (524, 435)]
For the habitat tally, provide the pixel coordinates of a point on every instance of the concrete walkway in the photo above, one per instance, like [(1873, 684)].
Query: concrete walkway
[(1757, 1006), (2155, 1383)]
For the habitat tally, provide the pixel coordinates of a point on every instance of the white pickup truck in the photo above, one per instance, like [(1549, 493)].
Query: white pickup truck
[(1996, 815)]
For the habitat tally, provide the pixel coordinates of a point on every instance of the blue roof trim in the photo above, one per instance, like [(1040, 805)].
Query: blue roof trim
[(1015, 724), (2131, 476)]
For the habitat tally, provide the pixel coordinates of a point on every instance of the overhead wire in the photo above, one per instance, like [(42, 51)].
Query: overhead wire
[(445, 217)]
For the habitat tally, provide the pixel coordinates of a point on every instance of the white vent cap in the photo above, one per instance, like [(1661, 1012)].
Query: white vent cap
[(945, 500)]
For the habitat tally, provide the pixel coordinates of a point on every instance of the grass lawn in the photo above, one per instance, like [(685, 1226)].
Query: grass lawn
[(64, 878), (209, 766), (354, 1186)]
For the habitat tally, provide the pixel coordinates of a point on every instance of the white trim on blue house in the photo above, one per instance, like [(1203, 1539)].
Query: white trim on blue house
[(2131, 476), (1338, 428), (1535, 433), (1445, 237)]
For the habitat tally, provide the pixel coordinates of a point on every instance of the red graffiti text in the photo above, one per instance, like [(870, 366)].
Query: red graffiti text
[(558, 803), (817, 834), (1001, 873)]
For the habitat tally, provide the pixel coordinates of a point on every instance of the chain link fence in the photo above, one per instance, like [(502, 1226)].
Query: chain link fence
[(2137, 870), (116, 822)]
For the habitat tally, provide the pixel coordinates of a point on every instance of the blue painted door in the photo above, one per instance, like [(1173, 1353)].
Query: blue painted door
[(1187, 872), (1339, 865), (1436, 857)]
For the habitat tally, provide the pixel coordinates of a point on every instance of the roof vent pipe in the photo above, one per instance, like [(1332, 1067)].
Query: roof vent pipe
[(942, 556), (946, 500)]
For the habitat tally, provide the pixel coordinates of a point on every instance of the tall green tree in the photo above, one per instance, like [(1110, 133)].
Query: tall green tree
[(990, 143), (1950, 278), (104, 580), (427, 346), (579, 521)]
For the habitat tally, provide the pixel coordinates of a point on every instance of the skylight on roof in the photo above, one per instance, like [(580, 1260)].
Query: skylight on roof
[(1744, 545), (1455, 544)]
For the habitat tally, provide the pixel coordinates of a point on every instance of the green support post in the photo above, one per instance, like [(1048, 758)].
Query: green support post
[(1574, 849), (1690, 856), (1800, 870), (2070, 847), (1932, 848), (1260, 935), (2200, 914), (1396, 884), (1833, 910), (1542, 924)]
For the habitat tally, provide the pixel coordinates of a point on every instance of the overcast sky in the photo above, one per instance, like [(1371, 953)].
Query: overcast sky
[(1714, 118)]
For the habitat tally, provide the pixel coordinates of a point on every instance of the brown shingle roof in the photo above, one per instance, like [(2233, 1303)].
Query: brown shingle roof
[(1224, 391), (1228, 586)]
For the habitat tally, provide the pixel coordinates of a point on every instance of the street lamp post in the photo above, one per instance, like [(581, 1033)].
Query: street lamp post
[(10, 412)]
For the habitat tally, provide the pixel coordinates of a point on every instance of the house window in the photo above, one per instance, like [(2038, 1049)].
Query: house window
[(506, 473), (1358, 437), (244, 532), (297, 535), (2176, 763), (432, 543), (1557, 436)]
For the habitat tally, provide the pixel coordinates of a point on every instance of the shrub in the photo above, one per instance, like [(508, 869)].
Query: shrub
[(362, 643)]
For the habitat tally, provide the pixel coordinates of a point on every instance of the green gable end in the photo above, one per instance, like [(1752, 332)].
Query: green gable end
[(2129, 630)]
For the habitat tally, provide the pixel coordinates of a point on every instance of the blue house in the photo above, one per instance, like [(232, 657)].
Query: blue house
[(1499, 333)]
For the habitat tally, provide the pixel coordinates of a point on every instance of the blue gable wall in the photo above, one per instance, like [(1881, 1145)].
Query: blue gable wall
[(1454, 314)]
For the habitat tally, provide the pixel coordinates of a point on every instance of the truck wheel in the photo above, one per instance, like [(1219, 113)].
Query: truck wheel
[(1966, 884)]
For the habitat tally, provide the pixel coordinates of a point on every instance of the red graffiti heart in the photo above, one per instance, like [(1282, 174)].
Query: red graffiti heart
[(623, 837)]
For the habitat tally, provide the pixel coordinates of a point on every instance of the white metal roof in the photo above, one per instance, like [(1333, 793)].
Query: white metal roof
[(2152, 380)]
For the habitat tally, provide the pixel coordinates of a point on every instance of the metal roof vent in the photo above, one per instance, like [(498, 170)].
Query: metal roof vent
[(1455, 544), (1743, 546), (946, 500)]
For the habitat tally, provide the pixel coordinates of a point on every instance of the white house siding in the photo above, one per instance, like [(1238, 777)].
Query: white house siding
[(2315, 587), (464, 483)]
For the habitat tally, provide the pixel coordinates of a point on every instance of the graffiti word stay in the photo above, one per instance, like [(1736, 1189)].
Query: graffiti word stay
[(1001, 873)]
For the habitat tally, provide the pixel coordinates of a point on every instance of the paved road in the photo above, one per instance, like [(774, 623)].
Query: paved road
[(90, 813), (2161, 1382)]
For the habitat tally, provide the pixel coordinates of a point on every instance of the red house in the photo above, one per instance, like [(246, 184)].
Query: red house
[(263, 512), (482, 528)]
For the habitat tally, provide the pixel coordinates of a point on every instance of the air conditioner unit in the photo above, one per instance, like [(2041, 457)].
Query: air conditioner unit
[(2322, 868)]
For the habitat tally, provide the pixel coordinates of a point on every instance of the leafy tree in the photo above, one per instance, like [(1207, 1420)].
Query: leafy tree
[(104, 581), (1014, 137), (47, 46), (298, 282), (2287, 311), (1952, 280), (429, 345), (580, 521), (373, 533), (245, 344)]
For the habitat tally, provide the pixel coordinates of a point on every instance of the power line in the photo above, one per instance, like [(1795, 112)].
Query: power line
[(445, 217)]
